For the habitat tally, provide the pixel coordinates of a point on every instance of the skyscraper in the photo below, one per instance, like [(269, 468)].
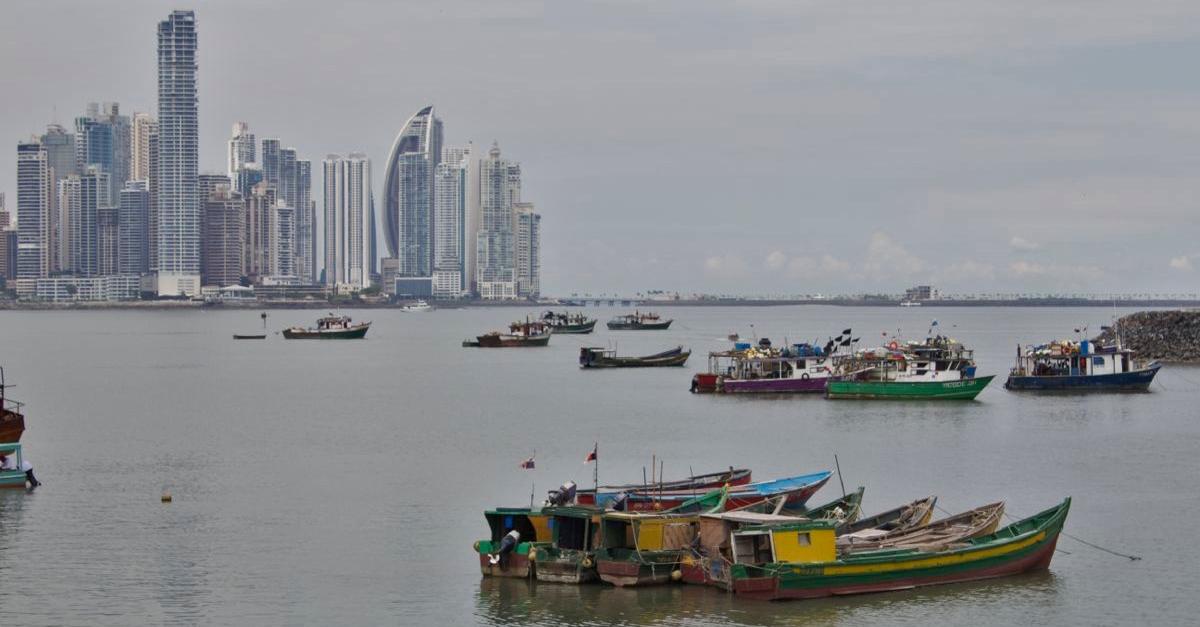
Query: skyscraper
[(103, 138), (33, 210), (241, 148), (61, 157), (499, 190), (449, 223), (133, 229), (529, 243), (85, 220), (143, 126), (224, 238), (178, 156), (349, 221), (408, 193)]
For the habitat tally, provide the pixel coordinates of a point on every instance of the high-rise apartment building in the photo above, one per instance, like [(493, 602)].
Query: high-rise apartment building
[(33, 210), (529, 263), (449, 223), (68, 198), (178, 157), (495, 243), (349, 221), (108, 233), (61, 157), (259, 204), (241, 148), (142, 127), (224, 238), (270, 162), (246, 178), (84, 215), (408, 193), (306, 224), (133, 229)]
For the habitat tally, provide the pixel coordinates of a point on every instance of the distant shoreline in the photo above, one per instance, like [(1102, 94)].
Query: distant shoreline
[(608, 303)]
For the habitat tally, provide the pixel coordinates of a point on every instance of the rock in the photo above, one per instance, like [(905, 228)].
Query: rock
[(1172, 336)]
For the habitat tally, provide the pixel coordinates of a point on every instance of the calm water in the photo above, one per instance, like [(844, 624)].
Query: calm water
[(342, 483)]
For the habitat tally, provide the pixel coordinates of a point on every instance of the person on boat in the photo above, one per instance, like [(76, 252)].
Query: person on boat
[(8, 463)]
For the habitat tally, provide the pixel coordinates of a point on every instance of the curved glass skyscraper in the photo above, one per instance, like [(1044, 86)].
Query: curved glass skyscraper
[(408, 194)]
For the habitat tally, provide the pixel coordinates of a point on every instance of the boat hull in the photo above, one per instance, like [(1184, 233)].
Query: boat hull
[(596, 358), (356, 332), (700, 483), (640, 326), (1138, 380), (630, 568), (796, 492), (963, 389), (511, 341), (888, 571), (564, 566), (261, 336), (516, 564), (575, 329), (813, 385), (12, 425)]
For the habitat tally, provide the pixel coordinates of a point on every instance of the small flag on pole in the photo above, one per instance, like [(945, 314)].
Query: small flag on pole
[(591, 457), (527, 463), (934, 323), (846, 332)]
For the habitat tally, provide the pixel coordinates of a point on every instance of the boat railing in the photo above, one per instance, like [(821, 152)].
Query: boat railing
[(10, 405)]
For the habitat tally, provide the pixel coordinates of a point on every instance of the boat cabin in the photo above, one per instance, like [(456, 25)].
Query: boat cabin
[(648, 532), (332, 323), (796, 542), (532, 524), (12, 478), (1072, 359), (574, 527)]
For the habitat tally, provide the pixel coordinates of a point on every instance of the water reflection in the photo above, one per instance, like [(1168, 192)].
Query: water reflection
[(993, 602)]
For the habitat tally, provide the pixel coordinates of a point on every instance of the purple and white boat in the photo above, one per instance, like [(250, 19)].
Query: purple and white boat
[(798, 369)]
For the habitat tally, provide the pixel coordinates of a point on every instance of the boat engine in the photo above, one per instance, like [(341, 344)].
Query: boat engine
[(507, 545), (619, 501), (564, 495)]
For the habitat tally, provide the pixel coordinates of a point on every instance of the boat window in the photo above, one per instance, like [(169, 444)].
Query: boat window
[(571, 533), (803, 539), (1097, 361)]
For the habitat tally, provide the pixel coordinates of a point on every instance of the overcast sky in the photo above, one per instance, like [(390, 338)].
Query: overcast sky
[(753, 147)]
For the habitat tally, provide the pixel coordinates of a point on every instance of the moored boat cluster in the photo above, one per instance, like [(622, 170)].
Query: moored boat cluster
[(759, 540)]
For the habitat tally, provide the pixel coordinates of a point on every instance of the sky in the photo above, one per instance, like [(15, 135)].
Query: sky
[(759, 147)]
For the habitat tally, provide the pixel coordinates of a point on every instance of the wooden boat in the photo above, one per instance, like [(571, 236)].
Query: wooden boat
[(519, 334), (638, 321), (249, 336), (504, 554), (798, 369), (971, 524), (330, 327), (914, 514), (599, 357), (707, 562), (1080, 366), (570, 556), (568, 323), (962, 389), (800, 560), (795, 490), (699, 483), (12, 421), (639, 548)]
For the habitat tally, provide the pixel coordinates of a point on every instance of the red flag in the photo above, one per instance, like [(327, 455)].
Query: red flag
[(591, 457), (527, 463)]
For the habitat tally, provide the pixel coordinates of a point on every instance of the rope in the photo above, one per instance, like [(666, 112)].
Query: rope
[(1172, 371), (1132, 558)]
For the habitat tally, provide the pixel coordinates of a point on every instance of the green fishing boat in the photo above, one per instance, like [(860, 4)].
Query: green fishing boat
[(640, 549), (515, 532), (570, 557), (957, 389)]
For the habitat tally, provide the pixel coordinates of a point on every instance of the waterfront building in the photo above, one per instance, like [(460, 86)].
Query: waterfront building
[(449, 223), (349, 221), (133, 229), (281, 251), (142, 127), (178, 157), (528, 236), (306, 224), (66, 211), (115, 287), (61, 158), (408, 191), (224, 238), (499, 190), (33, 210), (103, 138), (241, 149), (922, 292)]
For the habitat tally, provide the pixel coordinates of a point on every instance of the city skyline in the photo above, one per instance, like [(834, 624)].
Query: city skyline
[(966, 162)]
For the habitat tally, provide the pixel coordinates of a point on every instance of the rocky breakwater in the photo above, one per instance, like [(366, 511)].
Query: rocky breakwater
[(1172, 336)]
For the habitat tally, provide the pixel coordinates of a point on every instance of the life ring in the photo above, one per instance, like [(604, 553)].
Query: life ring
[(893, 345), (804, 376), (476, 546), (587, 562)]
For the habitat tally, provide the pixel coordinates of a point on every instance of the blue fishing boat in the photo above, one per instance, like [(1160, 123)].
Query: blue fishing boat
[(1080, 365)]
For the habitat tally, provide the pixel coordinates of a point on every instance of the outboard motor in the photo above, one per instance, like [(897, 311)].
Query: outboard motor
[(507, 545), (564, 495), (619, 501)]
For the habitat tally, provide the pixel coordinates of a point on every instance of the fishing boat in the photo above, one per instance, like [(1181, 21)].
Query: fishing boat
[(800, 560), (970, 524), (962, 389), (795, 490), (12, 421), (570, 556), (639, 321), (568, 322), (528, 333), (331, 327), (14, 479), (702, 483), (907, 516), (707, 561), (515, 532), (1082, 365), (418, 306), (798, 369), (600, 357), (640, 548), (937, 369), (249, 336)]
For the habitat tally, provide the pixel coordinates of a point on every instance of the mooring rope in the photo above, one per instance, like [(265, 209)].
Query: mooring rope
[(1172, 371), (1132, 558)]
